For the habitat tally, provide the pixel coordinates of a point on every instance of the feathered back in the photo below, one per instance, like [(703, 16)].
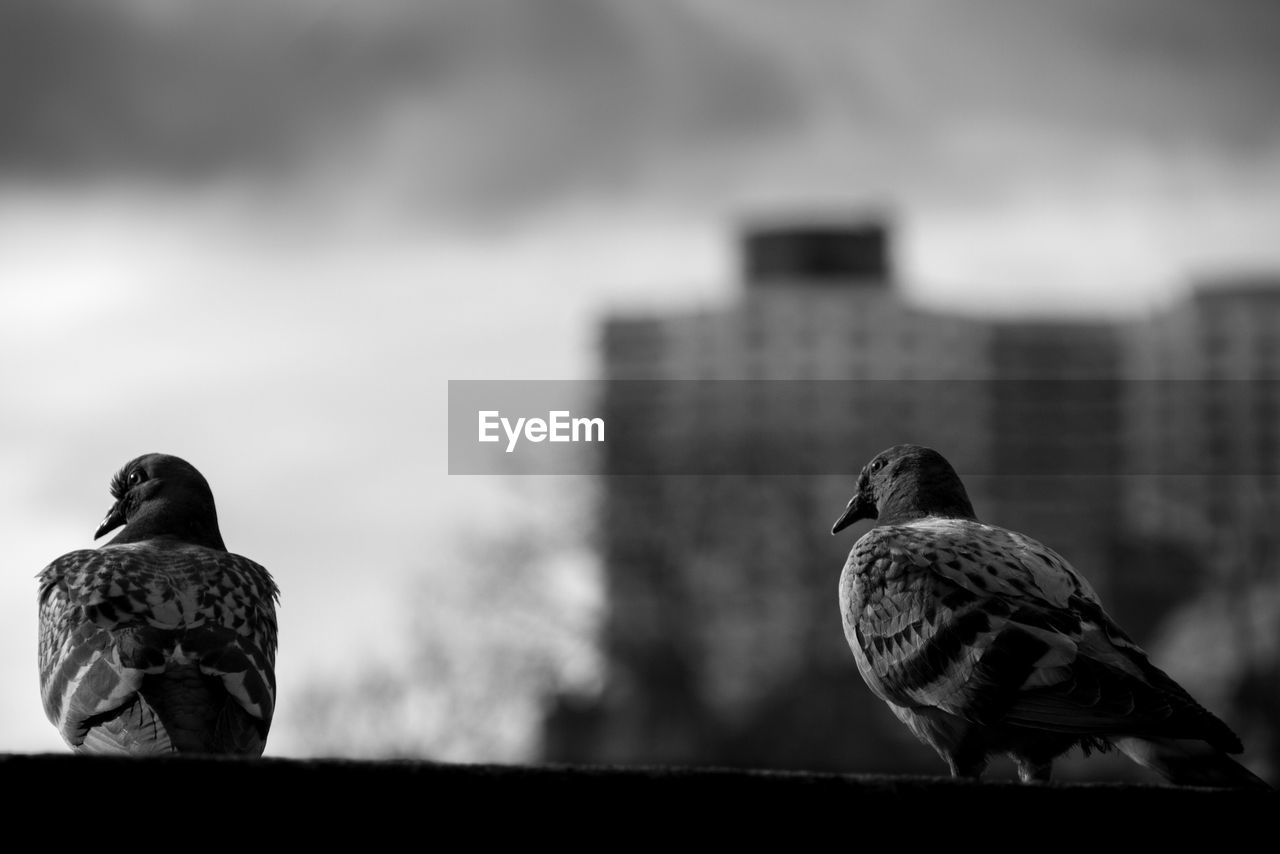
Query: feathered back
[(161, 640)]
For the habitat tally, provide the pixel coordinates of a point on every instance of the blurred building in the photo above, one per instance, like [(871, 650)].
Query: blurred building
[(1144, 450), (1206, 452), (723, 626), (1207, 411)]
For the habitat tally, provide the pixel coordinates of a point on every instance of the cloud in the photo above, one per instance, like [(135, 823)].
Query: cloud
[(487, 97), (499, 107)]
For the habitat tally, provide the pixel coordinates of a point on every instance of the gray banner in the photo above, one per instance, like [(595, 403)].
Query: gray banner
[(819, 427)]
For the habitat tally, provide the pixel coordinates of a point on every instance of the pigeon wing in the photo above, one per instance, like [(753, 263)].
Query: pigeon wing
[(998, 629)]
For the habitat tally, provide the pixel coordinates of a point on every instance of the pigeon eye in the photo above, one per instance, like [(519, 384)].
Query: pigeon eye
[(136, 477), (876, 465)]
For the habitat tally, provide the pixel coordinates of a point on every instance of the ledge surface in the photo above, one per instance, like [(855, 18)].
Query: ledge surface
[(494, 802)]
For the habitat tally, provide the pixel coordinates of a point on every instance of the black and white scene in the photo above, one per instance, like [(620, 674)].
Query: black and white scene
[(869, 392)]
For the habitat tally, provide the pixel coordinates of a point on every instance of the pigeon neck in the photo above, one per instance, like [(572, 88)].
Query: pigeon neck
[(196, 525), (910, 499)]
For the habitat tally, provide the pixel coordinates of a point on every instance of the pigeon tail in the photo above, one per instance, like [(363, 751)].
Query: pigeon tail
[(1189, 762), (173, 712), (187, 704)]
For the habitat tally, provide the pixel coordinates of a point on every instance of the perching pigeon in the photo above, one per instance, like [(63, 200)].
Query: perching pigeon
[(984, 641), (160, 641)]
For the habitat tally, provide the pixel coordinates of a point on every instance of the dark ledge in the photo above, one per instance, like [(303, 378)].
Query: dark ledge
[(491, 802)]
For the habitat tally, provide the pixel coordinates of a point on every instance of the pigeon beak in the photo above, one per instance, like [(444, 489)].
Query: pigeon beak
[(859, 508), (114, 519)]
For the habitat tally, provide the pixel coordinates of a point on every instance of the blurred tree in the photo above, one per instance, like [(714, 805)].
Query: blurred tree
[(495, 628)]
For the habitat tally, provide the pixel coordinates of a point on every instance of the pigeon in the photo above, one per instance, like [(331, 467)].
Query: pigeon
[(985, 642), (160, 641)]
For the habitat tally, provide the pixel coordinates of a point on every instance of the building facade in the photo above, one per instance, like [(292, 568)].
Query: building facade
[(738, 433)]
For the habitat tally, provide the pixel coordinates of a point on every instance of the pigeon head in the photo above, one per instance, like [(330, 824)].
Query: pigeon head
[(161, 495), (903, 483)]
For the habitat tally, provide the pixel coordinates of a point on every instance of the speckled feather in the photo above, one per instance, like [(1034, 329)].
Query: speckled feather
[(984, 641), (995, 628), (158, 645)]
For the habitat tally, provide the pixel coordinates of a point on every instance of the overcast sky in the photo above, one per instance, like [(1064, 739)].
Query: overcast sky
[(263, 236)]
